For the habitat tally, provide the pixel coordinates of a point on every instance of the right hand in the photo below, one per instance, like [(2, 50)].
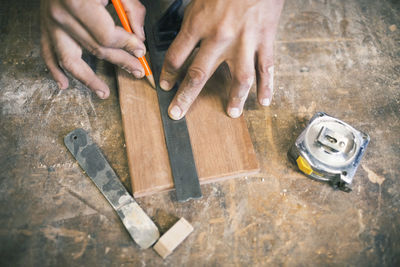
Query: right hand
[(67, 26), (238, 32)]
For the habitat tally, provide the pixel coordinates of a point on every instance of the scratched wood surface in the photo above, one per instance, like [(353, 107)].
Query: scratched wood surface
[(341, 57), (221, 146)]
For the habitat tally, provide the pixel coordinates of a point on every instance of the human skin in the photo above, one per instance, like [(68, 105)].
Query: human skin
[(68, 26), (238, 32)]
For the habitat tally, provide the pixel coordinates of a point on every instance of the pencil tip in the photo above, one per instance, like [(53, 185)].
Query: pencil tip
[(150, 78)]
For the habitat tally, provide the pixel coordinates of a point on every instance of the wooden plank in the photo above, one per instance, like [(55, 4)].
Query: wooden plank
[(221, 146)]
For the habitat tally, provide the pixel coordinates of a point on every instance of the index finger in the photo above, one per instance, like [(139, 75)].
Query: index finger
[(175, 57), (204, 64)]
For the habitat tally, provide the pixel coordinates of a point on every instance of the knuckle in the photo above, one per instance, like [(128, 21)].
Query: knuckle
[(105, 39), (264, 66), (73, 4), (98, 52), (135, 6), (241, 95), (185, 98), (66, 62), (171, 60), (140, 8), (245, 79), (196, 76), (189, 31), (56, 13), (223, 34), (193, 20), (263, 87)]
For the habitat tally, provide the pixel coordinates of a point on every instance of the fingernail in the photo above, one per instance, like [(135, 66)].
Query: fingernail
[(59, 86), (137, 73), (266, 102), (234, 112), (138, 52), (165, 85), (175, 113), (100, 94)]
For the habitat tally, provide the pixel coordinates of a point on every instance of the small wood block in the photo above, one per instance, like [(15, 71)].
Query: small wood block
[(173, 237), (221, 146)]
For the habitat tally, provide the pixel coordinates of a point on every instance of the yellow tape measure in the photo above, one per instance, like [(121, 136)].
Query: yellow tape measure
[(329, 150)]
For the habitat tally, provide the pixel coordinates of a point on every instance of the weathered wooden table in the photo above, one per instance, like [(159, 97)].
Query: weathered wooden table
[(341, 57)]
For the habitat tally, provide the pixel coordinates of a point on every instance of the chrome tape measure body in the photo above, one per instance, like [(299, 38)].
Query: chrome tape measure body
[(329, 150)]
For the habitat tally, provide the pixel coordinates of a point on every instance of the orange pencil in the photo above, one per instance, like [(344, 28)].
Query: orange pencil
[(125, 23)]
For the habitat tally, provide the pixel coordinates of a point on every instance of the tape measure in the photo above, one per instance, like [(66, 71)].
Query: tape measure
[(329, 150)]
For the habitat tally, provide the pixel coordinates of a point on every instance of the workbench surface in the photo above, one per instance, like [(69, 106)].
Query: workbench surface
[(340, 57)]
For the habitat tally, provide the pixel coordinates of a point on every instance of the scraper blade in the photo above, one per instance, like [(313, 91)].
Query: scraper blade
[(141, 228)]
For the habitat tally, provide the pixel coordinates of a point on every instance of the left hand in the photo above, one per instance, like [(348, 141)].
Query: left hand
[(239, 32), (68, 26)]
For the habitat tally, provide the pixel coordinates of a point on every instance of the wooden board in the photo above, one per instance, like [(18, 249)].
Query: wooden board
[(221, 146)]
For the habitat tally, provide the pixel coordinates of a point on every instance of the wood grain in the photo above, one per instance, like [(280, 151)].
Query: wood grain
[(221, 146), (173, 237)]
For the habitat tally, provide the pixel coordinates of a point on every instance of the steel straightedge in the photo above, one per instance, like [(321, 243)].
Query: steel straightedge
[(139, 225), (176, 133)]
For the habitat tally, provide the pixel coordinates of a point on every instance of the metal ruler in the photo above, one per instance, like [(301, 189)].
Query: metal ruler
[(177, 138), (141, 228)]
